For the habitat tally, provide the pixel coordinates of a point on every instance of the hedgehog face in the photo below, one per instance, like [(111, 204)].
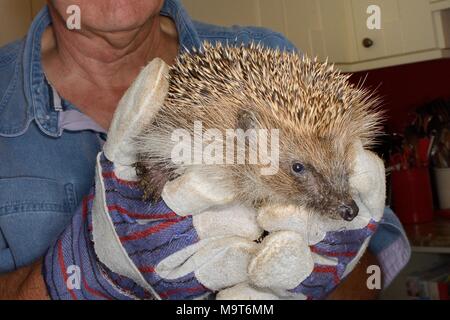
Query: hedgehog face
[(313, 168), (314, 175), (324, 191)]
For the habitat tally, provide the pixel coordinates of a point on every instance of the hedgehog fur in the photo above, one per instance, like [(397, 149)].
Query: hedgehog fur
[(318, 113)]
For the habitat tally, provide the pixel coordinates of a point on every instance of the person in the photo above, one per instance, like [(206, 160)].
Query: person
[(58, 92)]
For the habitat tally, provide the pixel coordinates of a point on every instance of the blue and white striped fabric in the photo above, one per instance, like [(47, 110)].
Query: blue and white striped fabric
[(149, 233)]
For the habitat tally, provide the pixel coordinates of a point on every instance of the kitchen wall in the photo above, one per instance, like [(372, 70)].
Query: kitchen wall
[(403, 87), (15, 18), (406, 87)]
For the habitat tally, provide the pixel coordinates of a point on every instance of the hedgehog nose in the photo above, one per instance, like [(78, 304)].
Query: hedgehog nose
[(348, 211)]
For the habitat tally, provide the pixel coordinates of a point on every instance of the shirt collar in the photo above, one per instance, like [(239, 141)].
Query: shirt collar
[(188, 37), (34, 83), (48, 119)]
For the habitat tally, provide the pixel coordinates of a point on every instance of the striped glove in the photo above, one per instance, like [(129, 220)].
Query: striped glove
[(118, 247)]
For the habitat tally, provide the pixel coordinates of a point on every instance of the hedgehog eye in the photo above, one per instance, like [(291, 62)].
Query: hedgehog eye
[(298, 168)]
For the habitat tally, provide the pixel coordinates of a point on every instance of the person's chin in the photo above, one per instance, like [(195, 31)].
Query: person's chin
[(114, 15)]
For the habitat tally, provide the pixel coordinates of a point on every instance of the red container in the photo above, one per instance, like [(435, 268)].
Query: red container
[(411, 195)]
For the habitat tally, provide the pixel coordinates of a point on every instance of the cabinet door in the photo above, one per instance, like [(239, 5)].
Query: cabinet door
[(321, 28), (337, 31), (406, 27), (15, 18), (225, 13)]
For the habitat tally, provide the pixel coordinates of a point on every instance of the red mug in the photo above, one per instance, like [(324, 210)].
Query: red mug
[(411, 195)]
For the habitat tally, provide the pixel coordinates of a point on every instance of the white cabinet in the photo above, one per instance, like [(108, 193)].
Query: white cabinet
[(307, 23), (385, 41), (225, 12), (406, 27), (319, 28), (411, 30)]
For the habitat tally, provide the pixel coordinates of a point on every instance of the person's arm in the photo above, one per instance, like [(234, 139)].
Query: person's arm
[(26, 283)]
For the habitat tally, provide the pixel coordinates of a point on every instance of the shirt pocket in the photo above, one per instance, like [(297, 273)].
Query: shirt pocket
[(33, 212)]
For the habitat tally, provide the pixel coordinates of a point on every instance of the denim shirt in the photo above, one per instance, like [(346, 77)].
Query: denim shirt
[(46, 169)]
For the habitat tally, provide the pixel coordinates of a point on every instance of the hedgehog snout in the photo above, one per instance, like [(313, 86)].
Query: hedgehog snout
[(348, 211)]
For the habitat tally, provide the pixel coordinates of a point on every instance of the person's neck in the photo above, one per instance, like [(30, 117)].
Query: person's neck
[(108, 61)]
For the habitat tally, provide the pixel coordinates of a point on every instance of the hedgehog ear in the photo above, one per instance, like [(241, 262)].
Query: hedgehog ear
[(246, 119)]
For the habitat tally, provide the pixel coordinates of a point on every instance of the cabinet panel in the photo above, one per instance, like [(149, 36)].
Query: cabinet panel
[(338, 31), (321, 28), (387, 40), (417, 25), (303, 26), (406, 27), (225, 13)]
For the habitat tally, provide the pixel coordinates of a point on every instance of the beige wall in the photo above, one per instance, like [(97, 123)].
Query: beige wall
[(332, 29), (36, 5), (15, 18)]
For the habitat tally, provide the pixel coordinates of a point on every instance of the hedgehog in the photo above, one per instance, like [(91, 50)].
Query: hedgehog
[(318, 114)]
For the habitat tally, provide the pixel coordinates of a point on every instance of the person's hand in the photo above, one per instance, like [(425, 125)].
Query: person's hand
[(119, 247), (307, 255)]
